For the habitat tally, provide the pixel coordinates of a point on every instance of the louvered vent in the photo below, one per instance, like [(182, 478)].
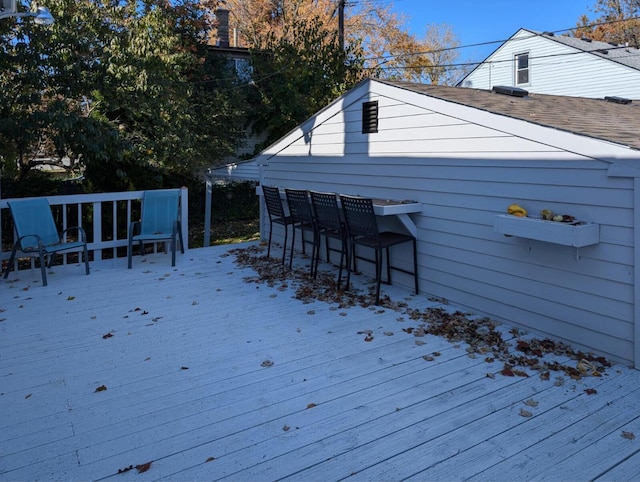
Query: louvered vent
[(370, 117)]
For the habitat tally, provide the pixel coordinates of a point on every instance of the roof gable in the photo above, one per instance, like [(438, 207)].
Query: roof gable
[(614, 55), (596, 118)]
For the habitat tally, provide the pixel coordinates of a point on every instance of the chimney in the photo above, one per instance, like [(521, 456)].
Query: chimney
[(223, 27)]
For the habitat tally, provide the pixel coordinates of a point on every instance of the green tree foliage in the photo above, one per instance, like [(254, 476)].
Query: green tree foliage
[(297, 74), (616, 21), (123, 88)]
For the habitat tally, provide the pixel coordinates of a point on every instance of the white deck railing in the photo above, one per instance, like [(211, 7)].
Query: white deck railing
[(91, 212)]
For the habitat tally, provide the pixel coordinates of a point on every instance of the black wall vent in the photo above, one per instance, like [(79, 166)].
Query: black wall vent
[(617, 100), (512, 91), (370, 117)]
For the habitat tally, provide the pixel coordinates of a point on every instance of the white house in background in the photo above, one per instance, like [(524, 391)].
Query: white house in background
[(545, 63), (466, 155)]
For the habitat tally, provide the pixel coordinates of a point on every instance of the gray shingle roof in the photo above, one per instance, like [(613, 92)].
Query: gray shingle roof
[(618, 123), (621, 54)]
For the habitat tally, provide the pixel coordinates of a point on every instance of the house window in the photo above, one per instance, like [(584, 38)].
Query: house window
[(370, 117), (522, 69)]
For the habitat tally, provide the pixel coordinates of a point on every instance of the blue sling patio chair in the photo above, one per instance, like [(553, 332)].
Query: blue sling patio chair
[(159, 221), (37, 233)]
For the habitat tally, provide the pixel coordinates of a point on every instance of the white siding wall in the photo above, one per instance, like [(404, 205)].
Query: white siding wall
[(556, 69), (466, 174)]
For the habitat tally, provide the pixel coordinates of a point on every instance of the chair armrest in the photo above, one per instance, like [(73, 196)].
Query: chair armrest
[(134, 228), (29, 248), (82, 235)]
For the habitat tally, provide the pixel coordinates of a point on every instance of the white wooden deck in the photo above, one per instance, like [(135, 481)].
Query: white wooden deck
[(183, 354)]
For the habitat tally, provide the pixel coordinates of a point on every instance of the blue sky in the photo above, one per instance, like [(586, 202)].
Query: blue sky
[(477, 21)]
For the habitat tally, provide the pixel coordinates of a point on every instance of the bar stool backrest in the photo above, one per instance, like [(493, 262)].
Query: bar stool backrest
[(326, 210), (359, 216), (273, 201), (299, 206)]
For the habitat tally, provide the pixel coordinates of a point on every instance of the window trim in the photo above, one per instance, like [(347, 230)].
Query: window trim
[(517, 70)]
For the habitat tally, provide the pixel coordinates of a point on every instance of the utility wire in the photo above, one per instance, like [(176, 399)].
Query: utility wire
[(480, 44)]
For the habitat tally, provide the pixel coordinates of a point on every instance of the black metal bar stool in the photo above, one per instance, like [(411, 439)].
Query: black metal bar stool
[(277, 215), (302, 217), (329, 223), (363, 231)]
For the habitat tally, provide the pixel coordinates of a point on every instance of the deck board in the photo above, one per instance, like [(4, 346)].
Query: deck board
[(180, 352)]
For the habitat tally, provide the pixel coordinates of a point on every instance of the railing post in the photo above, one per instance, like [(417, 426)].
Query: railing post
[(97, 228), (184, 216), (208, 196)]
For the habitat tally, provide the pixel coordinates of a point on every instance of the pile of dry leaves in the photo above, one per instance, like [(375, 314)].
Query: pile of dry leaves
[(480, 334)]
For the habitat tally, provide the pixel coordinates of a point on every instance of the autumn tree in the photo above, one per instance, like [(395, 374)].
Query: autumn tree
[(121, 88), (616, 21), (297, 74), (389, 49)]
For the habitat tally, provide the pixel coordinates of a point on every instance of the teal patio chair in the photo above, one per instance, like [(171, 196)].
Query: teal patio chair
[(37, 233), (159, 222)]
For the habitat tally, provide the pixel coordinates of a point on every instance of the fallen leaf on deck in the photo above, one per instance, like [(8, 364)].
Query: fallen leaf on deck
[(311, 312), (531, 403), (408, 330), (143, 467), (591, 391), (266, 363), (525, 413), (286, 428), (388, 333), (108, 335), (194, 303), (101, 388), (491, 375), (628, 435), (145, 312), (420, 342), (428, 358), (311, 405), (210, 459), (545, 376), (28, 396), (436, 353), (126, 469), (184, 368), (365, 332), (368, 338), (70, 298), (507, 372)]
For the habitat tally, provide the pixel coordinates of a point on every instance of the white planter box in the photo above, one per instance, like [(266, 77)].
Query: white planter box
[(567, 234)]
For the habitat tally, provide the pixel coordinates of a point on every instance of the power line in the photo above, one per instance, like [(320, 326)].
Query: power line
[(387, 58)]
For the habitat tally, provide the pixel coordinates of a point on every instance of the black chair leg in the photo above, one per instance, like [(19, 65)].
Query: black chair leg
[(378, 274), (269, 242), (284, 248), (415, 264), (293, 244)]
